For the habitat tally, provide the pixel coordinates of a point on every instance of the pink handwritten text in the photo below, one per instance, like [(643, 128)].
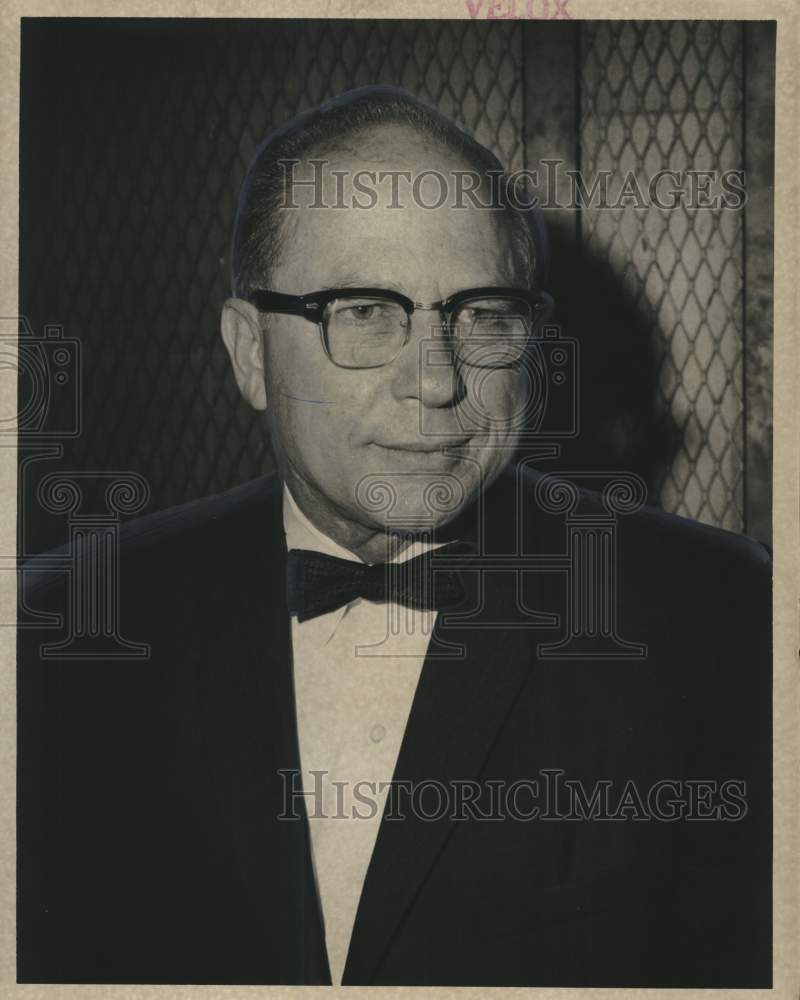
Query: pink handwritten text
[(519, 10)]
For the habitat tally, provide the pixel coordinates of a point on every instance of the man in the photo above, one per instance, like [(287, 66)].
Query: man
[(401, 619)]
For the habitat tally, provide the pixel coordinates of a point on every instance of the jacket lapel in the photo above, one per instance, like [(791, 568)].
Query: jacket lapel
[(458, 709), (258, 758)]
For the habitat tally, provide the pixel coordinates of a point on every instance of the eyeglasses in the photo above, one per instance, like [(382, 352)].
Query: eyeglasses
[(369, 327)]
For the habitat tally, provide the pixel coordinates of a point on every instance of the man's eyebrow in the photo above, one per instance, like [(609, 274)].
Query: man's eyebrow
[(358, 281)]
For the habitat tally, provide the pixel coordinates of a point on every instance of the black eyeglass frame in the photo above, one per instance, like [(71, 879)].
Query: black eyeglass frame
[(312, 306)]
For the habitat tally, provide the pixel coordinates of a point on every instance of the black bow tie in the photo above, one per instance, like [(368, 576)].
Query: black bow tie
[(317, 583)]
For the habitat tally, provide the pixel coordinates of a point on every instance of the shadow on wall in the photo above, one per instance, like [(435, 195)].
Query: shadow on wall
[(621, 426)]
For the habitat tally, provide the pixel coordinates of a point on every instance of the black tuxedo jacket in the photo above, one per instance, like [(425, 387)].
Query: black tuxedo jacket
[(149, 844)]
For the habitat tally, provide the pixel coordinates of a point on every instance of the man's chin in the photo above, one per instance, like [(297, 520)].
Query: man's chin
[(424, 493)]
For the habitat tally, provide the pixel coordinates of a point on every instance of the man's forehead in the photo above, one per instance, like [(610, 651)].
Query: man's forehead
[(425, 254), (405, 276), (382, 209), (384, 166)]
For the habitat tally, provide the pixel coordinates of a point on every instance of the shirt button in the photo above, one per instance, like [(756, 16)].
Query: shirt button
[(377, 733)]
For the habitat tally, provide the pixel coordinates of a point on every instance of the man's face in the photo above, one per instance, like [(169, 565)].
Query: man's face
[(418, 421)]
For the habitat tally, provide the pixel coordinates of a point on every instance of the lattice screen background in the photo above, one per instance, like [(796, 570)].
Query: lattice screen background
[(668, 94), (135, 139)]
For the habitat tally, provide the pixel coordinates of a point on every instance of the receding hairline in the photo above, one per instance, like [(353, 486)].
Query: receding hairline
[(344, 144), (339, 128), (349, 151)]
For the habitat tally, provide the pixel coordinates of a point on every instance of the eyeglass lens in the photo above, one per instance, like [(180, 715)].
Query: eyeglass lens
[(371, 332)]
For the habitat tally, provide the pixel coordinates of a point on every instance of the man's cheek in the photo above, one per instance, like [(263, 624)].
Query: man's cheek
[(499, 400), (302, 430), (323, 435)]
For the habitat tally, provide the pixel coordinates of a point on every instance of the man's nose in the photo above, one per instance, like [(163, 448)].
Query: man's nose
[(426, 368)]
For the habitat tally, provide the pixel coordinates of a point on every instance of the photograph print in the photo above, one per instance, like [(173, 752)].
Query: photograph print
[(394, 502)]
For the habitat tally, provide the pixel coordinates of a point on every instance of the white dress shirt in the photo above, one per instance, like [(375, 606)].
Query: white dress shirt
[(355, 673)]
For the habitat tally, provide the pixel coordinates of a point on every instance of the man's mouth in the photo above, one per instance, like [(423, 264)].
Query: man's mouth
[(431, 447)]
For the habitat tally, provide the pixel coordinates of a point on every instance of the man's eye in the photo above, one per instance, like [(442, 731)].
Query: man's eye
[(364, 312), (487, 320), (487, 314)]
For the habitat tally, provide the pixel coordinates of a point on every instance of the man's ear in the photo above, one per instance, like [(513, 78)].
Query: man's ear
[(241, 332)]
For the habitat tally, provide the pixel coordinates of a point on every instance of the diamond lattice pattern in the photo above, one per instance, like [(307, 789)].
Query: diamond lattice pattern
[(143, 144), (661, 95)]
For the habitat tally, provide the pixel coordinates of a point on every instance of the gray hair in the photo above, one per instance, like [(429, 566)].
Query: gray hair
[(258, 237)]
